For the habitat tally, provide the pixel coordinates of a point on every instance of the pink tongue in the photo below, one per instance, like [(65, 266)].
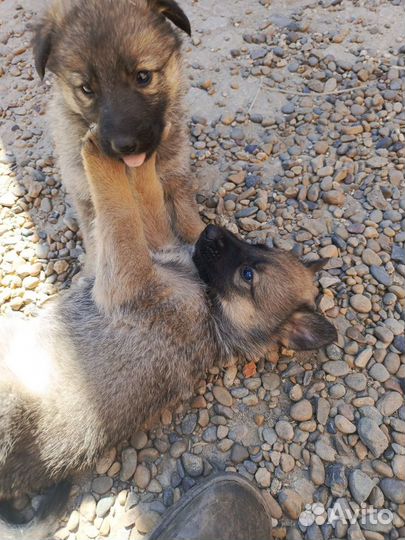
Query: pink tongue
[(134, 160)]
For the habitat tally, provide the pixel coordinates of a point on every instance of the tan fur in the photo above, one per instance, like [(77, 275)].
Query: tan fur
[(151, 47), (115, 350)]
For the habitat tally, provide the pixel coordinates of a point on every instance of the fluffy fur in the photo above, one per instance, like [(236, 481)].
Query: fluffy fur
[(117, 348), (102, 45)]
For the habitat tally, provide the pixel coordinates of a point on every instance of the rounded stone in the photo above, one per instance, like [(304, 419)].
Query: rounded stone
[(301, 411), (284, 430), (360, 303), (222, 395)]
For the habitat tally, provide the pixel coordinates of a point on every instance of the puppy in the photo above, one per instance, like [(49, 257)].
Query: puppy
[(119, 347), (118, 64)]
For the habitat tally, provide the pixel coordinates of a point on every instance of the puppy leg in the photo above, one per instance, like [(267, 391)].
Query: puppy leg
[(145, 182), (123, 262), (182, 207)]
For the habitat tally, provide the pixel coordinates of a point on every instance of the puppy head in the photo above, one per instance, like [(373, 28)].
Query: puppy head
[(118, 64), (265, 295)]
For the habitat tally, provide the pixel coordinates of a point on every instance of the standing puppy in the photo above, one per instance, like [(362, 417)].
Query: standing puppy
[(118, 64)]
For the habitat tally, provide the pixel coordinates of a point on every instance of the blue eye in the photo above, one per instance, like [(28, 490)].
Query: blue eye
[(247, 274), (144, 77)]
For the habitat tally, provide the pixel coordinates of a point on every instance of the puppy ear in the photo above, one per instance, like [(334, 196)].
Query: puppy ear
[(172, 11), (42, 45), (306, 330), (316, 266)]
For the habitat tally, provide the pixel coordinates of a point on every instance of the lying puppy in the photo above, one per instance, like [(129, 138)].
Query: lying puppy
[(118, 348)]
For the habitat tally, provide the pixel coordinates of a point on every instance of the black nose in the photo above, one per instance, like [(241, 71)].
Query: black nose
[(124, 144), (212, 232)]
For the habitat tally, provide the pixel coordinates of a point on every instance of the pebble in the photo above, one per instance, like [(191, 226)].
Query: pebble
[(379, 372), (360, 303), (193, 465), (291, 503), (301, 411), (239, 453), (222, 395), (142, 476), (393, 489), (102, 484), (284, 430), (129, 461), (263, 477), (389, 403), (372, 436), (337, 368), (360, 485)]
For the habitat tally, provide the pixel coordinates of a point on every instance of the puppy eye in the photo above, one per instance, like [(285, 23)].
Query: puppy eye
[(86, 89), (143, 78), (247, 274)]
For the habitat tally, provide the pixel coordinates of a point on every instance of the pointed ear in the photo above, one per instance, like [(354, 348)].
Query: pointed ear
[(317, 265), (42, 45), (172, 11), (307, 330)]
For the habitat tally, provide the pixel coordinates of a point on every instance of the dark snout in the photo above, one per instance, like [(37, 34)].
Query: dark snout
[(130, 125), (216, 253)]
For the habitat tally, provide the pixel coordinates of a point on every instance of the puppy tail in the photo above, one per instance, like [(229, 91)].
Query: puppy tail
[(44, 523)]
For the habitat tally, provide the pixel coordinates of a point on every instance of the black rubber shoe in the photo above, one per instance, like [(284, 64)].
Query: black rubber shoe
[(226, 507)]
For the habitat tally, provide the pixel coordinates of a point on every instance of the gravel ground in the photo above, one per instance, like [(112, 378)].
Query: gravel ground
[(298, 141)]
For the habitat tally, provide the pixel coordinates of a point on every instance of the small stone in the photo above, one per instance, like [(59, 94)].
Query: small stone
[(393, 489), (372, 436), (317, 470), (222, 395), (104, 505), (178, 448), (284, 430), (291, 503), (389, 403), (188, 424), (8, 199), (356, 381), (269, 436), (360, 485), (142, 476), (239, 453), (263, 477), (381, 275), (337, 368), (129, 462), (230, 375), (192, 464), (363, 357), (147, 521), (271, 381), (139, 440), (344, 425), (88, 507), (101, 484), (106, 460), (325, 451), (321, 147), (379, 372), (301, 411), (360, 303), (398, 466), (336, 479)]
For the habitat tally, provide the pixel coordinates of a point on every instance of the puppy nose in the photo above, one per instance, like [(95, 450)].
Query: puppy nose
[(212, 232), (124, 144)]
